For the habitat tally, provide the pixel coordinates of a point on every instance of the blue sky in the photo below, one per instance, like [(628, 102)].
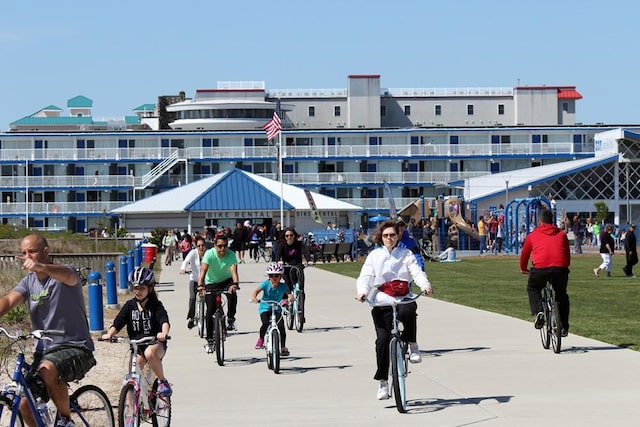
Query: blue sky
[(124, 54)]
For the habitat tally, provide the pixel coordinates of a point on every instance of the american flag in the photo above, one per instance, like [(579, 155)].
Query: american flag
[(274, 126)]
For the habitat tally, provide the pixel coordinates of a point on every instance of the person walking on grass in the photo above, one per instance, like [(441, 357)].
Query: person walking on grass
[(607, 246), (630, 251)]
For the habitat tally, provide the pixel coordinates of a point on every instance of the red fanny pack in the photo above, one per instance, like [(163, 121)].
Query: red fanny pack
[(395, 288)]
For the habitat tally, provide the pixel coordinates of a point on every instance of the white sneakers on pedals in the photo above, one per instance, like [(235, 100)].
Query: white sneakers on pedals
[(414, 353), (383, 390)]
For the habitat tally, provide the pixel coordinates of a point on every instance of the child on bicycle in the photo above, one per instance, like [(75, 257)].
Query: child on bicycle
[(145, 316), (273, 289)]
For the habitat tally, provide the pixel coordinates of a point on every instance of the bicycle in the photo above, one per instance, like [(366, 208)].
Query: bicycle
[(262, 252), (200, 314), (551, 331), (272, 337), (295, 314), (89, 405), (398, 354), (81, 274), (426, 249), (219, 325), (139, 399)]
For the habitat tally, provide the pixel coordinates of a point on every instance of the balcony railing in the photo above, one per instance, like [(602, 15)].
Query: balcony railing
[(313, 152), (59, 208), (69, 181)]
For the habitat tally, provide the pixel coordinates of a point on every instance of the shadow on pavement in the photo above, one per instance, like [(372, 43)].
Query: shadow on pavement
[(433, 405), (440, 352)]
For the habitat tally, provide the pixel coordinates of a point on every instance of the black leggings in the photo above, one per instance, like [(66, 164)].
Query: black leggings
[(382, 320), (266, 321)]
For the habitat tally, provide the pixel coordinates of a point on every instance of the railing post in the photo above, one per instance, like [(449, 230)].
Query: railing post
[(130, 263), (96, 311), (110, 280), (124, 275)]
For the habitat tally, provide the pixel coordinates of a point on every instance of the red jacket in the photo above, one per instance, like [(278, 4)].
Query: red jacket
[(548, 246)]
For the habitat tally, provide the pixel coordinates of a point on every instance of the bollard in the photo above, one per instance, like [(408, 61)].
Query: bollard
[(138, 254), (110, 283), (130, 263), (124, 275), (96, 313)]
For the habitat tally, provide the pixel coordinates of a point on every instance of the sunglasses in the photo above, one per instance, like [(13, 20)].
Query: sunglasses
[(221, 246), (275, 275), (389, 235), (201, 246), (289, 235)]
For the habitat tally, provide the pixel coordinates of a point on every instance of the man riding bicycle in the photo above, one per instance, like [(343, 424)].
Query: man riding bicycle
[(290, 253), (218, 272), (55, 301), (550, 254)]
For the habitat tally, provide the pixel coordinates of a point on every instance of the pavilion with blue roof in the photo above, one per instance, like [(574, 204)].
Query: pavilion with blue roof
[(231, 196)]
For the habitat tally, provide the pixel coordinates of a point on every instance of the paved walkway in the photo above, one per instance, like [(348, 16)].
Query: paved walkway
[(479, 368)]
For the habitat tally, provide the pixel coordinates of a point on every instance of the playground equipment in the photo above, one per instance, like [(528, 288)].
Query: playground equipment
[(522, 215)]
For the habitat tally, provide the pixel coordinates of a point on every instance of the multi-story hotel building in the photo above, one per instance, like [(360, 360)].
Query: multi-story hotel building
[(68, 171)]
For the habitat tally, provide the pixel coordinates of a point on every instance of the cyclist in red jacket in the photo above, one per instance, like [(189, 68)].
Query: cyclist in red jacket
[(548, 247)]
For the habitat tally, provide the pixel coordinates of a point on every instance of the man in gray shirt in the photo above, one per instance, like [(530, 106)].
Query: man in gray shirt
[(55, 300)]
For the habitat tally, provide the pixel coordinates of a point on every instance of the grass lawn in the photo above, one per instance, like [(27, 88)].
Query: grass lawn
[(602, 308)]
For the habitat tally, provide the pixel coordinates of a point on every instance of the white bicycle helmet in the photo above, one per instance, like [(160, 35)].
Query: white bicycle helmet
[(275, 268), (142, 276)]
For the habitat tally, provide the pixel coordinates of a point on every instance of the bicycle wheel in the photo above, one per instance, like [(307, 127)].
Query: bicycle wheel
[(200, 318), (90, 406), (300, 311), (267, 348), (398, 373), (219, 338), (275, 351), (545, 331), (556, 328), (6, 406), (291, 313), (128, 407), (161, 415)]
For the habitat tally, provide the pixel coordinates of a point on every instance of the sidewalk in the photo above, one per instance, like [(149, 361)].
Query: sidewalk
[(478, 368)]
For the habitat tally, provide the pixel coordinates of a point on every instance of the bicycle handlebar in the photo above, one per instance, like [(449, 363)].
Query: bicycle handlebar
[(139, 341), (393, 303), (37, 333)]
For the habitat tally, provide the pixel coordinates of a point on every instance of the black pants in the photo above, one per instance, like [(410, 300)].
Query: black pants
[(559, 278), (382, 320), (210, 301), (288, 278), (632, 259), (266, 321), (193, 289)]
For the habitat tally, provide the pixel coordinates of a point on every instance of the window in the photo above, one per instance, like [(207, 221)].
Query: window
[(312, 111), (407, 110), (565, 106), (469, 109), (437, 110), (500, 109), (383, 110), (336, 110)]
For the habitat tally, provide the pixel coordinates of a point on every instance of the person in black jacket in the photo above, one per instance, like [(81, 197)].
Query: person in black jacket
[(145, 316), (630, 251), (290, 252)]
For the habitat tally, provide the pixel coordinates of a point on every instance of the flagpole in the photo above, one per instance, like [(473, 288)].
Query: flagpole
[(281, 180)]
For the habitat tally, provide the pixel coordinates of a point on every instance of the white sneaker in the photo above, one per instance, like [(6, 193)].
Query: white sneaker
[(383, 390), (208, 348), (414, 353)]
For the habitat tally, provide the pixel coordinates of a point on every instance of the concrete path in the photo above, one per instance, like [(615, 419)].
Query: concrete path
[(479, 368)]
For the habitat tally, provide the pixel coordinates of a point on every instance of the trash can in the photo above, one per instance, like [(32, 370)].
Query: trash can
[(149, 252)]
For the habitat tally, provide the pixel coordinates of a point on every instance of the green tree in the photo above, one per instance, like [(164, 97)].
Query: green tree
[(602, 211)]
